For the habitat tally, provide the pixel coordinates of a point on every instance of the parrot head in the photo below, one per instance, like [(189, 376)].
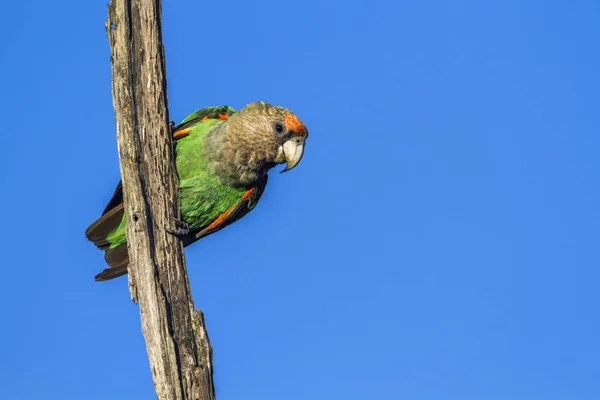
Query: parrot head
[(275, 134)]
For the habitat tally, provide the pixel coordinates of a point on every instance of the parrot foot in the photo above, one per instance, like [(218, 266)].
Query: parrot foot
[(172, 127), (181, 228)]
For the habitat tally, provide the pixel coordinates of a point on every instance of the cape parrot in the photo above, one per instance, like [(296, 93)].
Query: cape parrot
[(222, 159)]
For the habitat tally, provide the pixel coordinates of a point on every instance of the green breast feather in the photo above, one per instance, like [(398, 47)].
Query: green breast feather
[(203, 197)]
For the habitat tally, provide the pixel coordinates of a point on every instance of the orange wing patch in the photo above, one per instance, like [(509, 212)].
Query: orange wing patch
[(225, 216), (184, 132), (220, 219), (248, 194), (221, 117), (181, 133)]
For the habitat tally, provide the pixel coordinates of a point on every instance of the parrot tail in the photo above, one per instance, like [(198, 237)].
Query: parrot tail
[(116, 257), (110, 273)]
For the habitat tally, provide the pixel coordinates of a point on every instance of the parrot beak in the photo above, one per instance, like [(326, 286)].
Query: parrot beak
[(293, 150)]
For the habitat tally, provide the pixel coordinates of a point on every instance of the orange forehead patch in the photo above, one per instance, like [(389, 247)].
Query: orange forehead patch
[(293, 123)]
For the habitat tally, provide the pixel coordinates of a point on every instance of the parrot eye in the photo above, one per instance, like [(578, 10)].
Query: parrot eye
[(279, 128)]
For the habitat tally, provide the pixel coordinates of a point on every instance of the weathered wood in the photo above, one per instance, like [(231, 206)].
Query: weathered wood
[(178, 348)]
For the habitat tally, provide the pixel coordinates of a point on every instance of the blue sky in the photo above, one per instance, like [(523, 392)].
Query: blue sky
[(443, 222)]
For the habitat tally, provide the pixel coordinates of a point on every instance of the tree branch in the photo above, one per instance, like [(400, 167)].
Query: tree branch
[(178, 348)]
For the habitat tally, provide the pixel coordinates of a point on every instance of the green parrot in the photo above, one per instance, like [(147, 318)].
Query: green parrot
[(222, 159)]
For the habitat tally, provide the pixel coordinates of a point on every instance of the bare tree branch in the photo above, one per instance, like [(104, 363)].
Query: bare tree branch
[(176, 340)]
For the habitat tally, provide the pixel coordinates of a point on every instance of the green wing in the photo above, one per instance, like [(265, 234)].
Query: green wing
[(217, 113), (242, 206)]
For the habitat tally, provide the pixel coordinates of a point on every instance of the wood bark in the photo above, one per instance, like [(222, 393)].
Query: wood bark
[(178, 348)]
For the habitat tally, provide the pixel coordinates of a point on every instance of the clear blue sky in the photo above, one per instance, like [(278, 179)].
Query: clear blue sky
[(438, 241)]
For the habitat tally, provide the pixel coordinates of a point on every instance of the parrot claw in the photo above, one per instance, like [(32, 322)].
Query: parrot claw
[(172, 127), (181, 228)]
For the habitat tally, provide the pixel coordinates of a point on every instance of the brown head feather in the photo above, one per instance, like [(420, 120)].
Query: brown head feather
[(251, 142)]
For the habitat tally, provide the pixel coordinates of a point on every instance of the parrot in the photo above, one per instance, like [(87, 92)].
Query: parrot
[(222, 159)]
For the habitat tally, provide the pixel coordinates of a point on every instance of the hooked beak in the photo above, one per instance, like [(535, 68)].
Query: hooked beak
[(292, 152)]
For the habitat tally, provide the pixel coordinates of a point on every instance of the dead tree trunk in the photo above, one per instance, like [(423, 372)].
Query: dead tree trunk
[(176, 341)]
